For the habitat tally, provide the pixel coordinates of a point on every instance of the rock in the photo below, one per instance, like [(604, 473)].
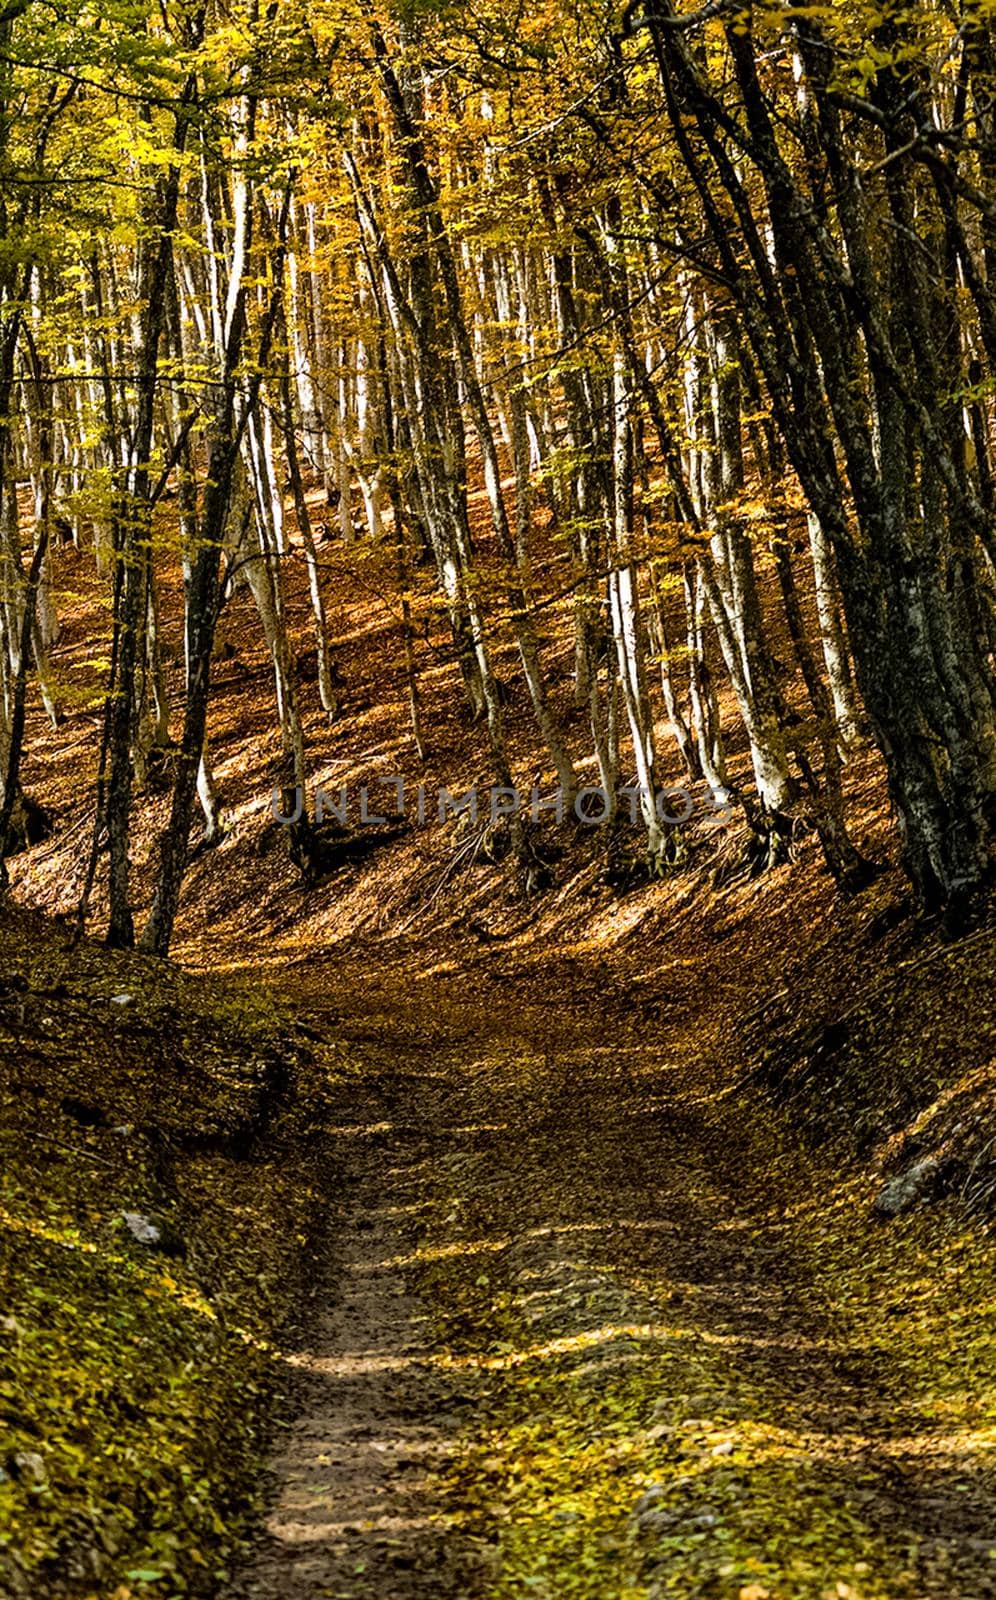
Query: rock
[(29, 1467), (649, 1499), (11, 1327), (142, 1228), (155, 1233), (122, 999), (904, 1190), (658, 1522)]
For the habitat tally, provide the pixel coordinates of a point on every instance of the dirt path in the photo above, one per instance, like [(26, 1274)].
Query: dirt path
[(355, 1509), (570, 1349)]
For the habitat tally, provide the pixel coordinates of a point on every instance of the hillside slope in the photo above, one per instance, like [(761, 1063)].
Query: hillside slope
[(704, 1083)]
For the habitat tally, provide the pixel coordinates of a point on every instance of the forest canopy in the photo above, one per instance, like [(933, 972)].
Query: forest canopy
[(701, 300)]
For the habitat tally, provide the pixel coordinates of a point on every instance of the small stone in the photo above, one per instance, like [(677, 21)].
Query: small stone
[(662, 1521), (141, 1228), (122, 999), (723, 1449), (649, 1499), (904, 1190), (154, 1233), (658, 1522), (10, 1326), (29, 1465)]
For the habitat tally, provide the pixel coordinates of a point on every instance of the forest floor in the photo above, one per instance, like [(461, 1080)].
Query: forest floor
[(532, 1288), (534, 1241), (585, 1330)]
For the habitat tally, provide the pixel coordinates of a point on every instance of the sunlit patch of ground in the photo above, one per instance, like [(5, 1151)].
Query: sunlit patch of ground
[(643, 1128), (138, 1379), (699, 1365)]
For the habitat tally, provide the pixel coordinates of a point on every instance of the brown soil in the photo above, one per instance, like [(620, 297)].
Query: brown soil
[(354, 1508), (560, 1229)]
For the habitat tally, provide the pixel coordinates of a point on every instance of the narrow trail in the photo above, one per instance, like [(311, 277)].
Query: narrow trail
[(355, 1509), (563, 1352)]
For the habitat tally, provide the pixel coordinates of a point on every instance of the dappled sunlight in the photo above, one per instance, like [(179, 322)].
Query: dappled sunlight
[(316, 1531), (461, 1247), (355, 1364), (498, 800), (353, 1130)]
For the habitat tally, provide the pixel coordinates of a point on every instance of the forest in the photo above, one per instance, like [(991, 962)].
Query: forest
[(497, 799)]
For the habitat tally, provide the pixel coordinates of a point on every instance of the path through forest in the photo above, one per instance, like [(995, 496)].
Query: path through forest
[(565, 1346)]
